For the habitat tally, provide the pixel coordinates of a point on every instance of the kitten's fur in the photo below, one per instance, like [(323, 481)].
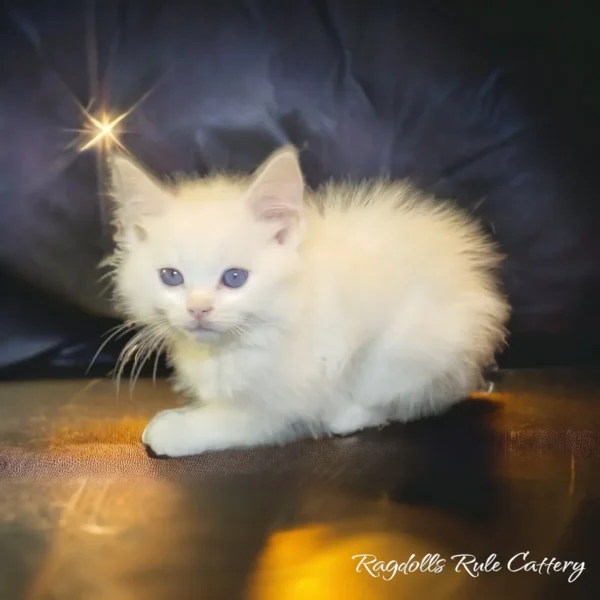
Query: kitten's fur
[(364, 304)]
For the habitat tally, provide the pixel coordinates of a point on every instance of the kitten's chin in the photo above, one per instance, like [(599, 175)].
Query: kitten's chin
[(204, 336)]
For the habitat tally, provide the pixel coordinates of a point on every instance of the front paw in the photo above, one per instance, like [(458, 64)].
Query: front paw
[(169, 434), (198, 429)]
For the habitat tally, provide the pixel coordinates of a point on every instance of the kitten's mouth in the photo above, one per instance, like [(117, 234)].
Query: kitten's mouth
[(202, 331), (200, 328)]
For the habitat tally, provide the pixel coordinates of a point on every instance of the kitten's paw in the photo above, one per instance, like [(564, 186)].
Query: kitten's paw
[(198, 429), (169, 434)]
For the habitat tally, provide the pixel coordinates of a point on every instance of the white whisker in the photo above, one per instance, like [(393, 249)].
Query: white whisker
[(150, 338), (113, 334), (147, 348), (159, 352)]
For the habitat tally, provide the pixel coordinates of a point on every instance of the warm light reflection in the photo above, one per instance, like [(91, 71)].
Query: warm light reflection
[(103, 131), (101, 127), (95, 436), (500, 397), (316, 562), (90, 514)]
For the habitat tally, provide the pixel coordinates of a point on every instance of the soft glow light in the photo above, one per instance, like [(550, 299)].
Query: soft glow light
[(103, 131)]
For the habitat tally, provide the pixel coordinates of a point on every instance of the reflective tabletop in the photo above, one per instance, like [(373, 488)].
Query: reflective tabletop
[(498, 498)]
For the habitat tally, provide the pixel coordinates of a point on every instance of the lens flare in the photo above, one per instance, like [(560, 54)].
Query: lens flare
[(103, 131)]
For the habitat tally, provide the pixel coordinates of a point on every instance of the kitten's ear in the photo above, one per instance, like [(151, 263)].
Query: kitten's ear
[(277, 193), (136, 193)]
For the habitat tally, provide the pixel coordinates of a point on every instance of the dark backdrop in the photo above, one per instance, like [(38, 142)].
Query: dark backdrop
[(547, 54)]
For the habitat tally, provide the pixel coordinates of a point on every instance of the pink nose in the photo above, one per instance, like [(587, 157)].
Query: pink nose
[(199, 305), (199, 312)]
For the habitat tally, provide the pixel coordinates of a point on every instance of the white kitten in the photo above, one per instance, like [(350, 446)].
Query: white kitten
[(287, 313)]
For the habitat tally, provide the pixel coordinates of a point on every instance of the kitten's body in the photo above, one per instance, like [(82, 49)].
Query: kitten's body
[(375, 304)]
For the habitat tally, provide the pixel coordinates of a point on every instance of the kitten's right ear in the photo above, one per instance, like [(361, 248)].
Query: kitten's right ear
[(136, 194), (277, 193)]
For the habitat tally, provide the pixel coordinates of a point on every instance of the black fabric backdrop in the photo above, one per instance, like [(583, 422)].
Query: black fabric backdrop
[(490, 105)]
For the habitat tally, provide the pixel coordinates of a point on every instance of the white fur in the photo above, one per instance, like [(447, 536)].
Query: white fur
[(379, 304)]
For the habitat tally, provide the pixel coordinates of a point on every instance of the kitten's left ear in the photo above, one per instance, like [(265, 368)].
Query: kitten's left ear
[(136, 193), (277, 193)]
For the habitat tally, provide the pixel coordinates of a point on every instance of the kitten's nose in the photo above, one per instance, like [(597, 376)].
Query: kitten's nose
[(198, 313), (199, 307)]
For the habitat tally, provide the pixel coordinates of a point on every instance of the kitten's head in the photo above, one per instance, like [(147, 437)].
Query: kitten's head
[(207, 257)]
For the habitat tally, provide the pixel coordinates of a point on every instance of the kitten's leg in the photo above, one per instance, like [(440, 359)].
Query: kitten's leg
[(197, 429), (184, 393)]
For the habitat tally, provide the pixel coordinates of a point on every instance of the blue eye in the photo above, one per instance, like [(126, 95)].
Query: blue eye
[(234, 278), (171, 277)]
